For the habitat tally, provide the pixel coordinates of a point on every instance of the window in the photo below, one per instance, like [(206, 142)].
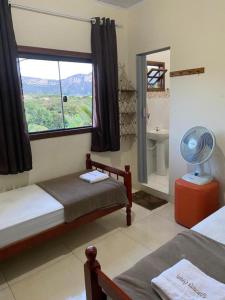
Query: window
[(57, 89), (156, 76)]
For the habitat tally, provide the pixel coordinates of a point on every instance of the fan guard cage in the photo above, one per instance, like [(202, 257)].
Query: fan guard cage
[(197, 145)]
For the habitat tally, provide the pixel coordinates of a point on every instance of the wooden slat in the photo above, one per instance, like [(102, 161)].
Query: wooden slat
[(107, 168), (187, 72), (110, 288)]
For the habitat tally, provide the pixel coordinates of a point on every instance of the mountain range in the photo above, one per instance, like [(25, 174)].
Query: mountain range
[(76, 85)]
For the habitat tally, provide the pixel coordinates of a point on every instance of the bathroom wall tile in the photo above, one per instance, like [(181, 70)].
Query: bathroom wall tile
[(158, 108)]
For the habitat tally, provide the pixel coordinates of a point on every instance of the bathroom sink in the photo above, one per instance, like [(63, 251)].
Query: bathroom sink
[(158, 135)]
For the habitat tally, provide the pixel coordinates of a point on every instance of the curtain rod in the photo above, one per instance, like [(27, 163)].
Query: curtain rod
[(52, 13)]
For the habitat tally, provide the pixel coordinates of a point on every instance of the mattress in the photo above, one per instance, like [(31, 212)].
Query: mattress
[(203, 252), (213, 226), (79, 197), (27, 211)]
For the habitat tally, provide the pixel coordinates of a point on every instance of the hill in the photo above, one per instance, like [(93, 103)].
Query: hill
[(76, 85)]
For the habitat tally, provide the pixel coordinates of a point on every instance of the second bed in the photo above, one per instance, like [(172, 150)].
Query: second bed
[(203, 245)]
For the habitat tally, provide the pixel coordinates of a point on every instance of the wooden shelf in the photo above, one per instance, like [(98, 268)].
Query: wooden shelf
[(127, 91), (187, 72), (128, 113), (127, 106), (128, 135)]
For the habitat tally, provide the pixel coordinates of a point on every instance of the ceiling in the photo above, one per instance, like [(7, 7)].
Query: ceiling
[(121, 3)]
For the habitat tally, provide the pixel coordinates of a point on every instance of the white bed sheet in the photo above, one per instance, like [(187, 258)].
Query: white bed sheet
[(27, 211), (213, 226)]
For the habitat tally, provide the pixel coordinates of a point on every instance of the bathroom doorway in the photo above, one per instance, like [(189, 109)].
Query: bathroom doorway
[(153, 81)]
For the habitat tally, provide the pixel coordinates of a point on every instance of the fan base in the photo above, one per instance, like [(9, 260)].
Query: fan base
[(196, 179)]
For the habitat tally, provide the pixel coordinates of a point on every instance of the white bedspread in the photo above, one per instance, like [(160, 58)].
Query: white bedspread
[(213, 226), (27, 211)]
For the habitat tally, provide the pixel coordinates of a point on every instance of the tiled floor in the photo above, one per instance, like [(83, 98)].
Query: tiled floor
[(55, 270), (159, 183)]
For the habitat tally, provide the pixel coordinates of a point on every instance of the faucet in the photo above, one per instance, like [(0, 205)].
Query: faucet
[(157, 128)]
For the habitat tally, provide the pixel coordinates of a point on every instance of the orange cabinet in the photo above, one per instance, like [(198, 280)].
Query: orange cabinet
[(193, 202)]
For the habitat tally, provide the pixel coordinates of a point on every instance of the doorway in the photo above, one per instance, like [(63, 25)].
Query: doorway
[(153, 84)]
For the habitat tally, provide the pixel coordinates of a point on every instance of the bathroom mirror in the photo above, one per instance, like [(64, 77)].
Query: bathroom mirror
[(156, 76)]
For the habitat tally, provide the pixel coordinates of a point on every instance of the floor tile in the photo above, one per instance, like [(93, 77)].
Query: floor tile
[(79, 252), (3, 283), (118, 219), (63, 280), (113, 221), (116, 252), (81, 236), (31, 261), (166, 211), (153, 231), (138, 212), (158, 183), (6, 294), (145, 239)]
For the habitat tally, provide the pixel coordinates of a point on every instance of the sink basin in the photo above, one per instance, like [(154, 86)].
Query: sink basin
[(158, 135)]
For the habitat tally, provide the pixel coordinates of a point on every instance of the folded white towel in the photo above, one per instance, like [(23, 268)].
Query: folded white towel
[(184, 281), (94, 176)]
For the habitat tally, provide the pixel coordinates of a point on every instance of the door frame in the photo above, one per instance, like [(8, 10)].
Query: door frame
[(141, 79)]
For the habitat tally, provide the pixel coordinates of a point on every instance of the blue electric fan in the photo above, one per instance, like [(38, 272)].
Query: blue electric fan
[(196, 148)]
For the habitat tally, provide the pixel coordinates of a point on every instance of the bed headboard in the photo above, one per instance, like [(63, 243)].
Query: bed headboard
[(125, 174)]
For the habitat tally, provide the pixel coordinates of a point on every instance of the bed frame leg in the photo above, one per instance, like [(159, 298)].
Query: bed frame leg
[(88, 161), (128, 211), (93, 289), (128, 184)]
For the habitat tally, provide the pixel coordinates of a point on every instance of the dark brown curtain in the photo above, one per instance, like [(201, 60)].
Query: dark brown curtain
[(106, 133), (15, 151)]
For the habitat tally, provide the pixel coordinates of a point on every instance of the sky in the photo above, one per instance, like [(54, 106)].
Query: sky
[(49, 69)]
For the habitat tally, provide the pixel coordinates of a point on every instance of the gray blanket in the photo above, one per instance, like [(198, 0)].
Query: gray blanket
[(208, 255), (79, 197)]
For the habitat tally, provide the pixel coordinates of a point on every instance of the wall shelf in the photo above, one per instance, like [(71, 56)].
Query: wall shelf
[(128, 113), (187, 72), (127, 106), (127, 91)]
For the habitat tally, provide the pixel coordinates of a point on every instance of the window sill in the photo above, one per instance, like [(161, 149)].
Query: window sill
[(58, 133)]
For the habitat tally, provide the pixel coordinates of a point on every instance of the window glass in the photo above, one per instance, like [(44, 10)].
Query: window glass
[(76, 83), (57, 94), (156, 76), (42, 98)]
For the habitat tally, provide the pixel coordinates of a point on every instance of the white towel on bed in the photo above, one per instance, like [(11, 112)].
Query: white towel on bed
[(94, 176), (185, 281)]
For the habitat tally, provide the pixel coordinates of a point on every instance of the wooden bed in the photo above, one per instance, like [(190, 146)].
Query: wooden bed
[(203, 245), (19, 246), (135, 284), (98, 285)]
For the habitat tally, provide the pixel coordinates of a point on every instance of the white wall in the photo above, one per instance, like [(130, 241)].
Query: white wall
[(62, 155), (194, 31)]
